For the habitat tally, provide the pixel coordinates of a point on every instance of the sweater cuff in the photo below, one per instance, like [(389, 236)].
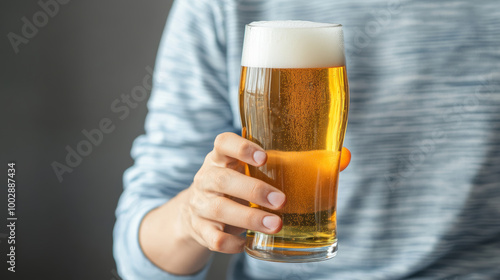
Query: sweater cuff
[(142, 267)]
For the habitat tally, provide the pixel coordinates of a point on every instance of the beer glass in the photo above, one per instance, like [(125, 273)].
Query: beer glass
[(294, 100)]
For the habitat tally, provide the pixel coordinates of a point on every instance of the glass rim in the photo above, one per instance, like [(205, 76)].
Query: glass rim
[(325, 25)]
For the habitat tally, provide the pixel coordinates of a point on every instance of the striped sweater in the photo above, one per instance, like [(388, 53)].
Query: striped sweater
[(421, 198)]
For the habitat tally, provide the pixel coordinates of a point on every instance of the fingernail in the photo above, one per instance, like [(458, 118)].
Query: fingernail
[(259, 157), (276, 199), (271, 222)]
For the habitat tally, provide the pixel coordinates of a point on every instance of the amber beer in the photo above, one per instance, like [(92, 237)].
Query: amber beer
[(294, 101)]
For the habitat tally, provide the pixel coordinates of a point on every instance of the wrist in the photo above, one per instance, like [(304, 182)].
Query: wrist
[(166, 240)]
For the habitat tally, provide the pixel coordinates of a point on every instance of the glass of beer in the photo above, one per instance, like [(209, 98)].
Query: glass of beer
[(294, 100)]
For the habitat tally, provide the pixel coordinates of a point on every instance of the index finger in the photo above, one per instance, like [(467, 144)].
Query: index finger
[(229, 147)]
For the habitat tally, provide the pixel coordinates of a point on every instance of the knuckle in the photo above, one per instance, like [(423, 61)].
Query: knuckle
[(200, 176), (216, 207), (193, 202), (220, 139), (217, 242), (209, 157), (244, 150), (206, 178), (195, 226), (251, 219), (199, 231), (201, 205), (257, 190), (220, 180)]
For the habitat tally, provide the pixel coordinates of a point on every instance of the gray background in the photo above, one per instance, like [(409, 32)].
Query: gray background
[(61, 82)]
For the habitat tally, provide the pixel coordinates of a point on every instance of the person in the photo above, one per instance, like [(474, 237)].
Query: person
[(420, 198)]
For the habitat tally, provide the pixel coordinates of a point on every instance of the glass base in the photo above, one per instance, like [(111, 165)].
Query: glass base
[(294, 255)]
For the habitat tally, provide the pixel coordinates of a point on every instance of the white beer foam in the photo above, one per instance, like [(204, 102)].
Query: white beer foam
[(293, 44)]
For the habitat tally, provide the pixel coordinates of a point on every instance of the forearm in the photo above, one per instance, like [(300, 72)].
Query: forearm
[(165, 242)]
